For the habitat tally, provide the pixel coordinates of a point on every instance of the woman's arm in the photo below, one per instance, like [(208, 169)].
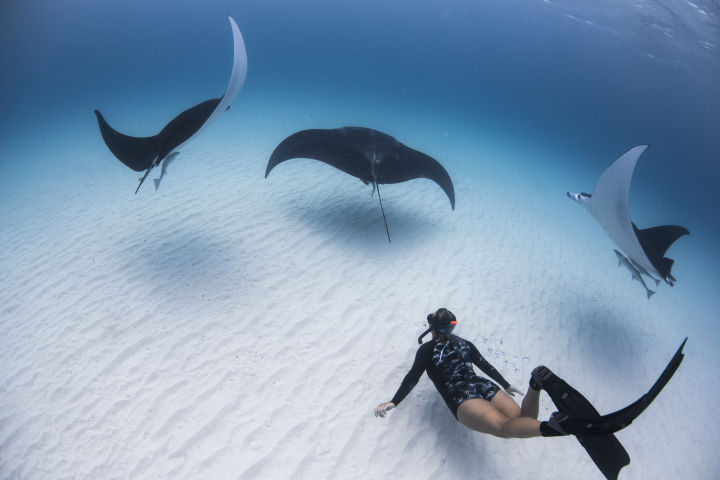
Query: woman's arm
[(486, 368), (410, 380), (412, 377)]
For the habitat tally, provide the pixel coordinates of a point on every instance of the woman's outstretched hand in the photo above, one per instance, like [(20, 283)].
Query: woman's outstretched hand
[(383, 408), (510, 390)]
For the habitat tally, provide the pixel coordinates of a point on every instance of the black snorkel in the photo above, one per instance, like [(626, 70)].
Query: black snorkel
[(431, 321), (423, 334)]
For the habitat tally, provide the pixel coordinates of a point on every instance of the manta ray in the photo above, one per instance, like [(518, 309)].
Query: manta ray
[(372, 156), (644, 249), (146, 153)]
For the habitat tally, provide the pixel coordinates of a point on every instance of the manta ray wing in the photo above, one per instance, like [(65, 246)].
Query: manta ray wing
[(329, 146), (609, 205), (656, 241), (410, 164), (185, 126), (237, 77), (137, 153), (662, 237)]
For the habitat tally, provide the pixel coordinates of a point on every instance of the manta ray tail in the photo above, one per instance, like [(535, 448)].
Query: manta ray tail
[(137, 153), (383, 211), (143, 179)]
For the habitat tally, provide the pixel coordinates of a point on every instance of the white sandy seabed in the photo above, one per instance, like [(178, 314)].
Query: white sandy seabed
[(228, 326)]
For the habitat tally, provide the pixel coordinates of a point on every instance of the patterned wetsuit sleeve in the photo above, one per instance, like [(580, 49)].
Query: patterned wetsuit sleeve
[(485, 366), (412, 377)]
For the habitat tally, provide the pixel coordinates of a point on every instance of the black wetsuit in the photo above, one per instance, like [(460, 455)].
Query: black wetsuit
[(449, 366)]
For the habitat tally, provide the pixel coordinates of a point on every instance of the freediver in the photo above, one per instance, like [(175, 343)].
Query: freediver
[(480, 405)]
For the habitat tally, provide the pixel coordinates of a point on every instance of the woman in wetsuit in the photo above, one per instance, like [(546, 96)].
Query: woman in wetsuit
[(475, 401), (480, 405)]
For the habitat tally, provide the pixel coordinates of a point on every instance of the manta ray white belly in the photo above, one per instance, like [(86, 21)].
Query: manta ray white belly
[(609, 206), (237, 79)]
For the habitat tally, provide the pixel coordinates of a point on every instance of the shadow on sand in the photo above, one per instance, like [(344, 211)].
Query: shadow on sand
[(358, 223), (605, 336), (457, 449), (175, 263)]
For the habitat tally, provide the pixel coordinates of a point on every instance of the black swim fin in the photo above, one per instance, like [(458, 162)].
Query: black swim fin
[(594, 431), (615, 421), (606, 451)]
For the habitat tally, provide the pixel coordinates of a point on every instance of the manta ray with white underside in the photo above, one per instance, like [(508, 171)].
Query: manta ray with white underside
[(609, 205), (146, 153)]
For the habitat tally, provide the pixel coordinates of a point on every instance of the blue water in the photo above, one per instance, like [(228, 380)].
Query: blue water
[(588, 80)]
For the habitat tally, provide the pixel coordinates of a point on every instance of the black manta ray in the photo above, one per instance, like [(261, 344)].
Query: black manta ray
[(372, 156), (146, 153)]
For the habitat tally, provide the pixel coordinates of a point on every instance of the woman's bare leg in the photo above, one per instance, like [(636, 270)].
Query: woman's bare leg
[(505, 404), (531, 404), (481, 416)]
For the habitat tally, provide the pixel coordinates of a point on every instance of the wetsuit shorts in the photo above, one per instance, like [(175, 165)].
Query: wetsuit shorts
[(477, 387)]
